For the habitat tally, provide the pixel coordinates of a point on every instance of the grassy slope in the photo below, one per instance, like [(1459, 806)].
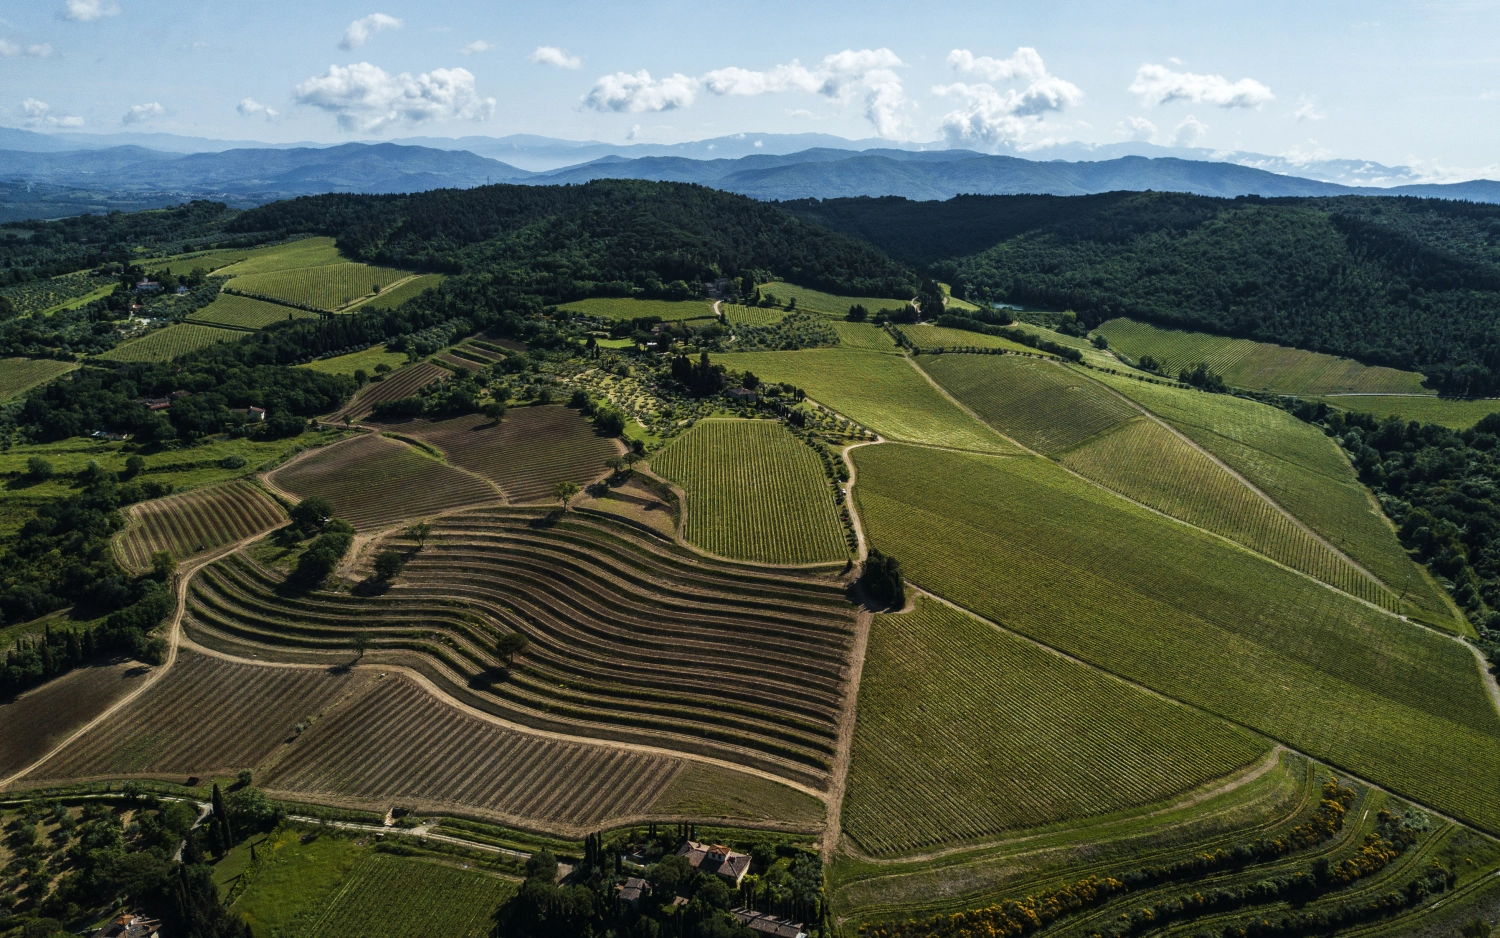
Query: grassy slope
[(938, 337), (626, 308), (820, 302), (880, 391), (704, 791), (1460, 415), (754, 492), (308, 252), (348, 364), (1177, 611), (966, 731)]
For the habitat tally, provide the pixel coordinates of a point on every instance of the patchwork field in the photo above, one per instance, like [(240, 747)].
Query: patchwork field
[(195, 521), (373, 482), (327, 287), (1449, 412), (881, 392), (404, 382), (612, 307), (828, 303), (245, 313), (163, 345), (1178, 612), (526, 454), (965, 731), (1038, 404), (754, 492), (1258, 366), (631, 636), (19, 375)]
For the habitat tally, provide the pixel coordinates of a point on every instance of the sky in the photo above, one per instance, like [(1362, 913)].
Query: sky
[(1397, 83)]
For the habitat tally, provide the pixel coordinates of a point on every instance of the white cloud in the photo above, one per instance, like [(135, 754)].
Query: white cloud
[(1138, 128), (476, 47), (249, 107), (624, 92), (86, 11), (1157, 84), (552, 55), (11, 50), (842, 77), (1307, 110), (990, 116), (140, 113), (359, 32), (39, 114), (1189, 132), (1300, 157), (365, 97)]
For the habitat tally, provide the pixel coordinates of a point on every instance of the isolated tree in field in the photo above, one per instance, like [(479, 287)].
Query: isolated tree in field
[(362, 642), (163, 565), (615, 464), (511, 644), (882, 580), (631, 458), (39, 468), (388, 564), (566, 491), (421, 530)]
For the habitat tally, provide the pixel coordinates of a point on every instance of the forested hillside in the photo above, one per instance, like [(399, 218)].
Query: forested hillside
[(1410, 283)]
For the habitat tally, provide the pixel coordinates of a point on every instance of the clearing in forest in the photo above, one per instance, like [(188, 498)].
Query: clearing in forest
[(1259, 366), (754, 492), (614, 307), (881, 392), (373, 482), (1174, 609), (161, 345), (245, 312), (195, 521), (19, 375), (965, 731)]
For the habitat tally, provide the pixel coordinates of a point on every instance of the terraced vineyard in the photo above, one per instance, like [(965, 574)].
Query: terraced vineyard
[(754, 492), (163, 345), (202, 519), (398, 384), (461, 762), (373, 482), (632, 637), (965, 731), (827, 303), (527, 453), (882, 392), (205, 716), (327, 287), (1258, 366), (609, 307), (1198, 621), (396, 897), (19, 375), (1142, 460), (1036, 403), (244, 312)]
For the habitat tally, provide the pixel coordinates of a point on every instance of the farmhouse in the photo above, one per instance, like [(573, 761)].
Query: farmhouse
[(718, 859), (743, 395), (633, 890), (769, 925)]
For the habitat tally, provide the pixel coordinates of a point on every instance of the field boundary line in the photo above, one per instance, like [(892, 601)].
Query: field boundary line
[(863, 550), (833, 818)]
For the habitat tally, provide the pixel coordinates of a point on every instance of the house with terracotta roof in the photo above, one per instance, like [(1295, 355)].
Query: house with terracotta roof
[(717, 859), (768, 925)]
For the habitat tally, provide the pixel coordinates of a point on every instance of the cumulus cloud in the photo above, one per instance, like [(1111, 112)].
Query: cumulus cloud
[(140, 113), (1189, 133), (11, 50), (39, 114), (365, 97), (249, 107), (1307, 110), (86, 11), (359, 32), (1138, 128), (843, 77), (552, 55), (624, 92), (990, 116), (476, 47), (1157, 84)]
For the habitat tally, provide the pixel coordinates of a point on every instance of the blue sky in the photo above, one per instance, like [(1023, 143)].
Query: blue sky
[(1399, 83)]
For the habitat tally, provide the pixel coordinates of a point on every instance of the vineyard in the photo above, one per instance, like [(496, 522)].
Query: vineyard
[(864, 335), (195, 521), (1061, 562), (1458, 414), (1142, 460), (411, 289), (1305, 472), (375, 754), (327, 287), (966, 731), (881, 392), (307, 252), (927, 337), (19, 375), (754, 492), (1258, 366), (527, 453), (373, 482), (1040, 405), (205, 716), (631, 636), (398, 384), (163, 345), (827, 303), (608, 307), (36, 296), (45, 716), (396, 897), (245, 313), (753, 315)]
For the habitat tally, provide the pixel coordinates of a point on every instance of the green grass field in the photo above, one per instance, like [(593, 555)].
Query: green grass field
[(966, 731), (19, 375), (166, 344), (246, 312), (939, 337), (390, 299), (707, 791), (1457, 414), (882, 392), (348, 364), (1305, 472), (1258, 366), (328, 287), (1036, 403), (1051, 557), (611, 307), (754, 492), (827, 303), (308, 252)]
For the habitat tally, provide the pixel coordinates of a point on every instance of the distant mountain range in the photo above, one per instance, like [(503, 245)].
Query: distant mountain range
[(161, 168)]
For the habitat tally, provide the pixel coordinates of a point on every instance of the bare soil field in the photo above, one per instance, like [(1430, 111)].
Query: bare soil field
[(33, 723), (196, 521)]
